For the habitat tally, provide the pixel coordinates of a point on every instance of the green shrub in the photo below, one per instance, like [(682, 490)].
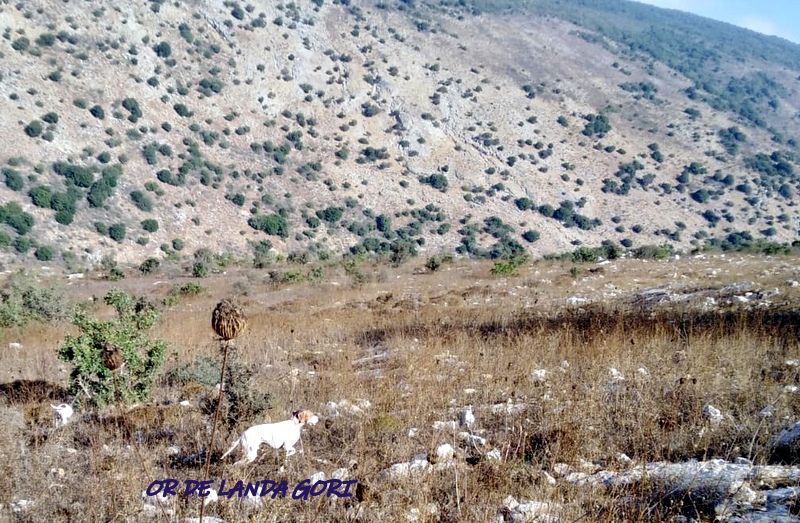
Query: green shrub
[(163, 50), (178, 244), (330, 214), (132, 106), (44, 253), (34, 129), (596, 125), (437, 181), (51, 118), (142, 201), (149, 266), (80, 176), (530, 236), (653, 252), (13, 215), (150, 225), (508, 266), (13, 179), (45, 40), (182, 110), (369, 109), (179, 291), (91, 382), (523, 204), (200, 269), (41, 196), (22, 244), (21, 44), (117, 232), (97, 112), (274, 224), (22, 300)]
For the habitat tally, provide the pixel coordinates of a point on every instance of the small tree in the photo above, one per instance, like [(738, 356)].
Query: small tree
[(142, 356)]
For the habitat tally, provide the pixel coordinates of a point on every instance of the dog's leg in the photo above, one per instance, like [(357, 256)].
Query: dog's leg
[(235, 444)]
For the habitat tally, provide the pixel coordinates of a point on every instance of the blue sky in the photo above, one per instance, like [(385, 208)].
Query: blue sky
[(772, 17)]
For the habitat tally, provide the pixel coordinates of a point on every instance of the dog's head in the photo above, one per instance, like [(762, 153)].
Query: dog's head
[(62, 409), (305, 417)]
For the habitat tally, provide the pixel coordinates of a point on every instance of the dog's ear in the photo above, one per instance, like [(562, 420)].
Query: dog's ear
[(304, 416), (296, 414)]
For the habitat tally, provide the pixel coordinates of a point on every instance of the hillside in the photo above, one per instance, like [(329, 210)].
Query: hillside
[(314, 128)]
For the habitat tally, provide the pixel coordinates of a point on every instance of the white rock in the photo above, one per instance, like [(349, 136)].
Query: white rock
[(467, 418), (15, 345), (445, 452), (790, 389), (412, 432), (623, 459), (400, 470), (508, 407), (792, 363), (472, 439), (767, 412), (614, 375), (529, 511), (539, 375), (339, 473), (550, 480), (185, 403), (21, 505), (712, 414), (173, 450), (562, 469), (445, 425), (470, 391), (319, 476), (494, 455)]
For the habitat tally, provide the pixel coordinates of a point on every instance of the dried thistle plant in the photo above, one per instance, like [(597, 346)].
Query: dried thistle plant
[(228, 321)]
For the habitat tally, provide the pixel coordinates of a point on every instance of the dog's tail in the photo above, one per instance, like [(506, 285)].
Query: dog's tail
[(235, 444)]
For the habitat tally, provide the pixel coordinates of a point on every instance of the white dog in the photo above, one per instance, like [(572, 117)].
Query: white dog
[(281, 434), (64, 412)]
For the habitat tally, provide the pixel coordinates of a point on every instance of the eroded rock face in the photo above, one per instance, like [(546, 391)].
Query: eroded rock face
[(715, 488)]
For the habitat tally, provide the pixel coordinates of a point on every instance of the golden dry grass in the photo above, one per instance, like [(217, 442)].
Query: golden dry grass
[(438, 336)]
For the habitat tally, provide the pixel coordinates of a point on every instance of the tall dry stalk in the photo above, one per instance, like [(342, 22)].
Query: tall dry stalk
[(228, 321)]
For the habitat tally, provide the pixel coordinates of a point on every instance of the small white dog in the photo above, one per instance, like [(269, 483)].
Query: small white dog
[(64, 413), (281, 434)]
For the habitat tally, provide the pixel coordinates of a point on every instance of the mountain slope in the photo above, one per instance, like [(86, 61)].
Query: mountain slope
[(326, 127)]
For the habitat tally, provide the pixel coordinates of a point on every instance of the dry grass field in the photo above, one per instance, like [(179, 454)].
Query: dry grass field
[(566, 368)]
